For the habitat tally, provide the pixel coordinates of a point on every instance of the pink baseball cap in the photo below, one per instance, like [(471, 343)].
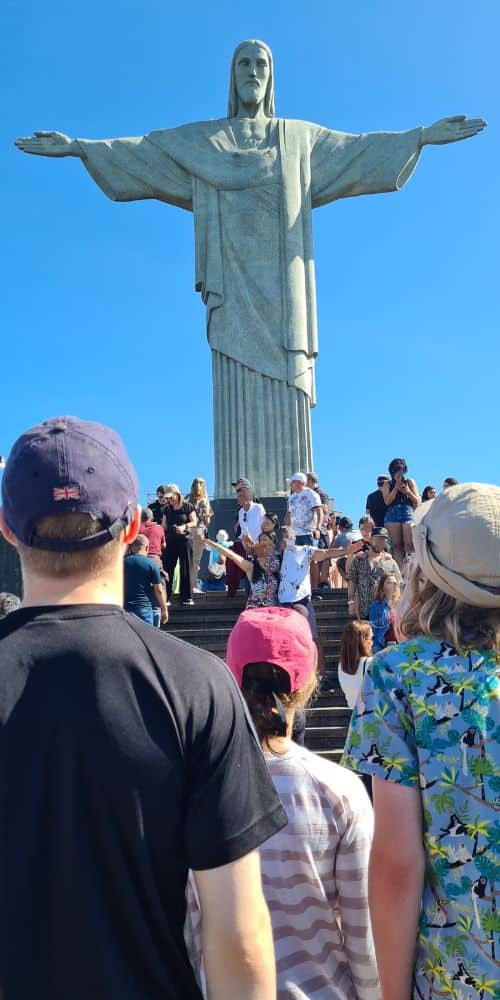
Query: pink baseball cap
[(272, 635)]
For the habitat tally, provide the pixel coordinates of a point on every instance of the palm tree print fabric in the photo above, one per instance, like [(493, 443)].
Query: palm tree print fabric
[(428, 716)]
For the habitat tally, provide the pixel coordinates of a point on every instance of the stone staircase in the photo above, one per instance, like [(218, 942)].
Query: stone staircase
[(207, 624)]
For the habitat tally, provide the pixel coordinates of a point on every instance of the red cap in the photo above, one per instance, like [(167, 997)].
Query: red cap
[(272, 635)]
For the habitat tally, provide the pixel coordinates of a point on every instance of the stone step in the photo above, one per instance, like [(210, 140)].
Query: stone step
[(325, 737), (333, 755), (207, 624)]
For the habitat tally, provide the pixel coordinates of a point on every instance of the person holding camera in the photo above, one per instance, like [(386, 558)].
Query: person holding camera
[(401, 496)]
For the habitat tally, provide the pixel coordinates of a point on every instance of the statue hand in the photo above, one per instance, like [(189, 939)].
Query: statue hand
[(47, 144), (452, 130)]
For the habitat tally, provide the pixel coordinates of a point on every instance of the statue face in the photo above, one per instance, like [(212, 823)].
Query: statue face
[(252, 73)]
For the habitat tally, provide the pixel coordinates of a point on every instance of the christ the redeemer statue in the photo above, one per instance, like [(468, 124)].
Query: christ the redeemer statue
[(251, 181)]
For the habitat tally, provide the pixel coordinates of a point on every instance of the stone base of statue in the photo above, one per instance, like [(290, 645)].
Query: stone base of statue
[(262, 429)]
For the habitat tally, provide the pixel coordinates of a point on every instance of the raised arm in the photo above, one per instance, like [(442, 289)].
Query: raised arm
[(243, 564), (48, 144), (352, 549)]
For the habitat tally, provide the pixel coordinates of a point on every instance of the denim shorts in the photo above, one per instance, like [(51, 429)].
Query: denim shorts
[(401, 513), (307, 539)]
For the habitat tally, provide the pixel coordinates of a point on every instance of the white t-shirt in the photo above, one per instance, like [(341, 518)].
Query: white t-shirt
[(301, 507), (351, 683), (295, 582), (251, 520)]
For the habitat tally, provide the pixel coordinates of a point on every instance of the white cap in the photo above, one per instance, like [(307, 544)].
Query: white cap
[(298, 477)]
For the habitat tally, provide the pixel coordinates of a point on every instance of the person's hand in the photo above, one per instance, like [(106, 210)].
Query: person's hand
[(354, 547), (452, 129), (164, 617), (47, 144)]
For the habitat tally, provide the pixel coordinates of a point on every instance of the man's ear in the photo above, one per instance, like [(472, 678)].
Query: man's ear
[(6, 532), (131, 532)]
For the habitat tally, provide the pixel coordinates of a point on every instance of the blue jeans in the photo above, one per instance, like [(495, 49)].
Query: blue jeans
[(401, 513), (305, 540), (145, 614)]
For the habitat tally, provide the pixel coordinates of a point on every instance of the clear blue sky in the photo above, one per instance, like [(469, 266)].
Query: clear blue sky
[(99, 315)]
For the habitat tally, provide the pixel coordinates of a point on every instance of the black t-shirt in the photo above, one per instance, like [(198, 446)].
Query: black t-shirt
[(126, 758), (376, 507), (177, 516), (158, 510)]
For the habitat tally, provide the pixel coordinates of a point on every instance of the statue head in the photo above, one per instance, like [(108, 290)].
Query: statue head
[(253, 45)]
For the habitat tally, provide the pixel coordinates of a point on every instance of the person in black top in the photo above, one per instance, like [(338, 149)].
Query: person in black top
[(375, 504), (126, 759), (159, 505), (179, 519)]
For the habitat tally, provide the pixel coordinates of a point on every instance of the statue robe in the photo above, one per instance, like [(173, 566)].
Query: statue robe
[(255, 263)]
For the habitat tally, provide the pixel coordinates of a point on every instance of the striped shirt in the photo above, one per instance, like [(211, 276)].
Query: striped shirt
[(315, 878)]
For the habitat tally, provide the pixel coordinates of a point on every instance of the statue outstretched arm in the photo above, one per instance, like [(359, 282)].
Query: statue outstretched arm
[(452, 129), (345, 165), (131, 169), (48, 144)]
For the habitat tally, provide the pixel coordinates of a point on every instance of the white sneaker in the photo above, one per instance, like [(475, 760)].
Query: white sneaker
[(197, 590), (187, 604)]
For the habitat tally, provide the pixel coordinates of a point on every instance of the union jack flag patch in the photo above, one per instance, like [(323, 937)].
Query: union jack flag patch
[(66, 493)]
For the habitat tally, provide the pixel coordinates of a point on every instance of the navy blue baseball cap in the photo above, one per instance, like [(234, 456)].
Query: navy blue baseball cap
[(67, 465)]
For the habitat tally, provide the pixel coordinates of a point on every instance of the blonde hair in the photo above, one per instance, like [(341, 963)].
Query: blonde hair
[(426, 610), (58, 565), (198, 490)]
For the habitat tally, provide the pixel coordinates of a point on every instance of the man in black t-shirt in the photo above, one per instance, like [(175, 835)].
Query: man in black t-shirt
[(126, 759), (375, 503), (159, 505)]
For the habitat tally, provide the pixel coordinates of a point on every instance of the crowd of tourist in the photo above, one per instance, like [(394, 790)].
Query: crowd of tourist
[(155, 841)]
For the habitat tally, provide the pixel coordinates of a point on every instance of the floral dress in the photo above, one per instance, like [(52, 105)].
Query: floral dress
[(429, 716), (264, 582)]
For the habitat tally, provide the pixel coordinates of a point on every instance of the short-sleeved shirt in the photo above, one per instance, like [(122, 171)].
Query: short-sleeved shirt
[(295, 579), (302, 507), (343, 538), (177, 517), (430, 717), (376, 507), (140, 573), (365, 578), (155, 536), (126, 758), (158, 509), (250, 520)]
